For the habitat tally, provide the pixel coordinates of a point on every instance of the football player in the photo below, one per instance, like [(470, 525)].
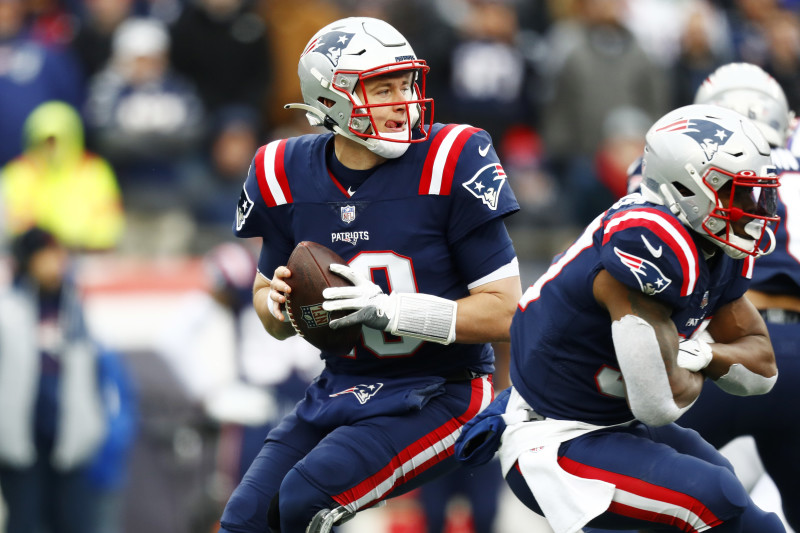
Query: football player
[(416, 210), (774, 291), (606, 351)]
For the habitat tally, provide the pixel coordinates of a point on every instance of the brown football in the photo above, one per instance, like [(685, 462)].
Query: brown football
[(309, 264)]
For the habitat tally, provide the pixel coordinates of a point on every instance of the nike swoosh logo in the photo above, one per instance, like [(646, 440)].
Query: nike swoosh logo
[(485, 150), (655, 251), (350, 192)]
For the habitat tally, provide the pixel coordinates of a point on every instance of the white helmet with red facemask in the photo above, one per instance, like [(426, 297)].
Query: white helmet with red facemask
[(338, 59), (711, 166)]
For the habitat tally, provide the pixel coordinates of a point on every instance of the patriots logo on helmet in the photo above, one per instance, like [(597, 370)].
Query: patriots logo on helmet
[(709, 135), (651, 279), (361, 392), (487, 183), (330, 45), (243, 208)]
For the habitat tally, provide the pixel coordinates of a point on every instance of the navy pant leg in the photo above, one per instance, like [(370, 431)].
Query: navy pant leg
[(667, 479), (358, 465), (247, 508)]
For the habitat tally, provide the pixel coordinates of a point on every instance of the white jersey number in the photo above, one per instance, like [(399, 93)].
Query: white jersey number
[(399, 270), (789, 192)]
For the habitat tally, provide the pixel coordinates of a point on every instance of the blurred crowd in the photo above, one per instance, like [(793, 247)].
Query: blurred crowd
[(128, 127), (162, 103)]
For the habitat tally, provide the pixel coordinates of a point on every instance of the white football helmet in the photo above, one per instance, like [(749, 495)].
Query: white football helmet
[(340, 57), (711, 166), (747, 89)]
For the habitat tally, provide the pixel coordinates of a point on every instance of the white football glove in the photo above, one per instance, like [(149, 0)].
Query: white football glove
[(422, 316), (694, 354), (372, 307)]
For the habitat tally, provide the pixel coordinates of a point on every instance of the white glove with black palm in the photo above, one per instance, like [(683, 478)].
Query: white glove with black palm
[(694, 354), (372, 306), (423, 316)]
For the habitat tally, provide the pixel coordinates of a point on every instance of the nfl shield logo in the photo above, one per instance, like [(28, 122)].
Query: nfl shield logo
[(348, 213), (314, 315)]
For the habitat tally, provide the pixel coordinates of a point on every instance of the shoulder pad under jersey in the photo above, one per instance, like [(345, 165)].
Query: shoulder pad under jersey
[(461, 162)]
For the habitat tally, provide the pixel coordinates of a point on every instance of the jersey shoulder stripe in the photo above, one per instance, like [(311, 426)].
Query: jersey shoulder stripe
[(669, 230), (271, 173), (440, 162)]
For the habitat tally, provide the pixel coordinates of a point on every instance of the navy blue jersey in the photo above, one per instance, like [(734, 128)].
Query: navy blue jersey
[(563, 361), (405, 228), (779, 272)]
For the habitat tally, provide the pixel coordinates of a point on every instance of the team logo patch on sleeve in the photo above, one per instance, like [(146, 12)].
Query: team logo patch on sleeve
[(487, 183), (361, 392), (651, 279), (243, 209)]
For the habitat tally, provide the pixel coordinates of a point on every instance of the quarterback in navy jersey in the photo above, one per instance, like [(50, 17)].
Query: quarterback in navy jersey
[(606, 347), (416, 211), (774, 291)]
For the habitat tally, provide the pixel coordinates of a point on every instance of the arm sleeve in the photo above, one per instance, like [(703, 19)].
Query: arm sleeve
[(484, 250)]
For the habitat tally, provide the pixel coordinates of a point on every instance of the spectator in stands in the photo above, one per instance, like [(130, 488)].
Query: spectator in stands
[(289, 25), (54, 403), (30, 73), (234, 136), (93, 37), (148, 122), (604, 68), (749, 22), (222, 47), (704, 45), (491, 80), (51, 22), (59, 186), (783, 59)]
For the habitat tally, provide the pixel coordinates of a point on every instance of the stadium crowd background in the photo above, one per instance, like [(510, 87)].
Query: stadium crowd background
[(162, 104)]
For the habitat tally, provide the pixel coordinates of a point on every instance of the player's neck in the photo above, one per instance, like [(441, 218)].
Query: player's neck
[(353, 155)]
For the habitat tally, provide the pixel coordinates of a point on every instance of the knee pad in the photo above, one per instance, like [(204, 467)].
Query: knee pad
[(727, 498)]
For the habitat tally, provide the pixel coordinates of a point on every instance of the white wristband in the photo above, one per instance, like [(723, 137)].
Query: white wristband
[(424, 316)]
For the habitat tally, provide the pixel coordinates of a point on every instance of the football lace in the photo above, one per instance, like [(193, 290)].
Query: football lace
[(291, 316)]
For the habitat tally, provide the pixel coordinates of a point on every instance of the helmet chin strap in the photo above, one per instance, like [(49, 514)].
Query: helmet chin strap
[(772, 243)]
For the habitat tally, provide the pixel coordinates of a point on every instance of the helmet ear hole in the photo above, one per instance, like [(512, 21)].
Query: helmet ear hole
[(682, 189)]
